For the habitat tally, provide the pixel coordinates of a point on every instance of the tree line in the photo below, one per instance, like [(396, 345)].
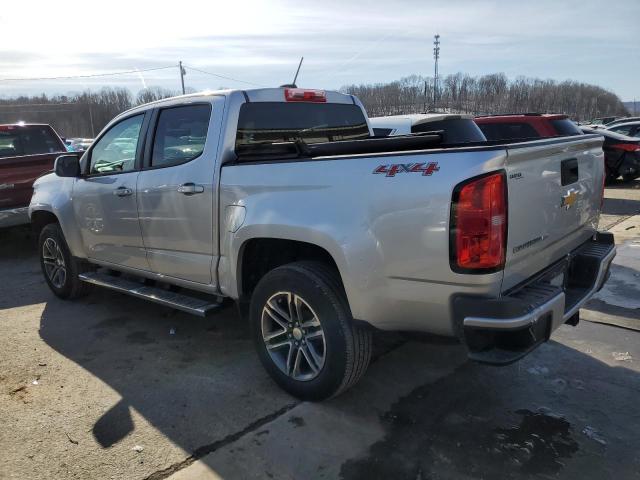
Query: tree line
[(85, 114), (488, 95), (80, 114)]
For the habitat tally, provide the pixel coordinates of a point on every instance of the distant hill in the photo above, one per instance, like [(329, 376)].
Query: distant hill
[(629, 106)]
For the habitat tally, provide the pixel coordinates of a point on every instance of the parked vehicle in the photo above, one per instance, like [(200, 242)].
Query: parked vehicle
[(526, 126), (78, 144), (604, 120), (621, 155), (455, 128), (623, 120), (630, 129), (26, 152), (280, 200)]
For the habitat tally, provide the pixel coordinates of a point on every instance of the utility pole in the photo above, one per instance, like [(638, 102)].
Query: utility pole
[(436, 56), (182, 74), (425, 96)]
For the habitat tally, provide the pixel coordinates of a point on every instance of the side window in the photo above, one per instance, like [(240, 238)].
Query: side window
[(9, 144), (115, 152), (180, 135), (37, 140), (624, 130)]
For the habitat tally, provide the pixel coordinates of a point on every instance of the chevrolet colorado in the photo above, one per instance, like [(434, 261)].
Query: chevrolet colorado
[(282, 200)]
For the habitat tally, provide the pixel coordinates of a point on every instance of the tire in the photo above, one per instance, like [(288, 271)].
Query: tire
[(341, 351), (610, 177), (59, 268)]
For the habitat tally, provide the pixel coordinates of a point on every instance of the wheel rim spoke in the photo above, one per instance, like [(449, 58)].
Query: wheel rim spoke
[(293, 336), (277, 314), (309, 357)]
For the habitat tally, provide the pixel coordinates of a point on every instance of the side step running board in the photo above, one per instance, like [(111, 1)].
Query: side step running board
[(179, 301)]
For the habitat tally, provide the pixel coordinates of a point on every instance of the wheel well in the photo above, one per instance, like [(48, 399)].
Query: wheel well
[(40, 219), (261, 255)]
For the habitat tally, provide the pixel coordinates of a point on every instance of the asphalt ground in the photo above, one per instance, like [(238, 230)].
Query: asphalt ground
[(113, 387)]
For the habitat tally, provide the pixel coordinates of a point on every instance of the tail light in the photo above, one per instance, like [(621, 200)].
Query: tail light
[(479, 225), (304, 95), (627, 147)]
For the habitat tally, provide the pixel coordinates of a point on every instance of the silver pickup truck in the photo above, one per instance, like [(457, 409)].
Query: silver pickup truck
[(282, 200)]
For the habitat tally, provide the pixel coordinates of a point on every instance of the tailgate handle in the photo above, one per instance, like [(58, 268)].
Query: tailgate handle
[(569, 171)]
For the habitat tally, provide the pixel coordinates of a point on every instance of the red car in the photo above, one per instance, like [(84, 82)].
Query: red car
[(26, 152), (526, 125)]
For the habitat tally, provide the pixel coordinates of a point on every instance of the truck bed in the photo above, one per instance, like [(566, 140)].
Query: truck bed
[(384, 217)]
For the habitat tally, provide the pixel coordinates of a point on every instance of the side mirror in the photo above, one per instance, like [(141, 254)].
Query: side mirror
[(67, 166)]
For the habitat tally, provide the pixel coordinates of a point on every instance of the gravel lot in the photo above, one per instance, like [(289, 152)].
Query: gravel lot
[(114, 387)]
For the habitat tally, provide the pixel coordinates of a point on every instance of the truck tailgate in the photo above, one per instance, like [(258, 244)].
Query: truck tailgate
[(554, 198)]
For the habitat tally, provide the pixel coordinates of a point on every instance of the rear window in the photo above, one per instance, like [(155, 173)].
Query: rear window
[(508, 131), (455, 130), (28, 141), (565, 126), (270, 122)]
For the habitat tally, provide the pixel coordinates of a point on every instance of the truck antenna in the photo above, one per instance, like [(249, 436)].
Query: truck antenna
[(298, 70)]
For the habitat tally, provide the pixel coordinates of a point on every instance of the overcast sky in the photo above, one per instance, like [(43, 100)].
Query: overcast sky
[(343, 42)]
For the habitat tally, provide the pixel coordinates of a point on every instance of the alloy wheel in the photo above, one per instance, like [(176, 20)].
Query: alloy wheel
[(293, 336), (54, 264)]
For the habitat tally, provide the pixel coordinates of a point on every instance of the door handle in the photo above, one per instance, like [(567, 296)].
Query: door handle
[(190, 188), (122, 192)]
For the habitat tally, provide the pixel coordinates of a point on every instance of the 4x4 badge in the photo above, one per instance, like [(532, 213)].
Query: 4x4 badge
[(426, 169)]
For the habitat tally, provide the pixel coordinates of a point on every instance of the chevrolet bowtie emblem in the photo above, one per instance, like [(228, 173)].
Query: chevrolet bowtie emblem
[(569, 199)]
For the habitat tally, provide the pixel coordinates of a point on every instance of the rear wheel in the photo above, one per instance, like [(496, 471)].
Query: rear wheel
[(610, 176), (304, 333), (59, 267)]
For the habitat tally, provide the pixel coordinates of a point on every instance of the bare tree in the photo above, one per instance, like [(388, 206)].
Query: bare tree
[(489, 94)]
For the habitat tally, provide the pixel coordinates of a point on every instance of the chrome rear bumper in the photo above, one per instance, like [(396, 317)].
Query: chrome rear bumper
[(500, 331)]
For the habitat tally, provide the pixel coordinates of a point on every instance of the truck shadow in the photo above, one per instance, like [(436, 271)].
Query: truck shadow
[(198, 381), (20, 269)]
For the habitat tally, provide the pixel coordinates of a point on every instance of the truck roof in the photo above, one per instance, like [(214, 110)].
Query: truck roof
[(23, 124), (514, 116), (250, 95)]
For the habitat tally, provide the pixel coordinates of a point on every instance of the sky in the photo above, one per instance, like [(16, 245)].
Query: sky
[(259, 43)]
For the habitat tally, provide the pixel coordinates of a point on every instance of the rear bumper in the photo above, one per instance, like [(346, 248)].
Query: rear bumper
[(503, 330), (11, 217)]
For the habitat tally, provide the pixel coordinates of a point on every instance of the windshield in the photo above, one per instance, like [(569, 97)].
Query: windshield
[(564, 126), (270, 122)]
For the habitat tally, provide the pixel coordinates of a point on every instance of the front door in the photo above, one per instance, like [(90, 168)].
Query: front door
[(105, 199), (176, 192)]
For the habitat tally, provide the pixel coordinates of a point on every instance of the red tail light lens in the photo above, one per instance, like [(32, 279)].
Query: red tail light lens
[(479, 225), (627, 147), (304, 95)]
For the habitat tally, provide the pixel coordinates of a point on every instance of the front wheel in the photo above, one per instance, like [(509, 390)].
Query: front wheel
[(304, 333), (59, 267)]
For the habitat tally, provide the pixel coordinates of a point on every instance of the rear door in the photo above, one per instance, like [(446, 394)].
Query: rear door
[(176, 191), (554, 196)]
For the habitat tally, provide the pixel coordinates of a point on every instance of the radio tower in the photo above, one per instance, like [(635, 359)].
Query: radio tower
[(436, 56)]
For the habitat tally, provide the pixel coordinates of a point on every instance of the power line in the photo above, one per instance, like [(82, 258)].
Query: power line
[(69, 77), (223, 76)]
